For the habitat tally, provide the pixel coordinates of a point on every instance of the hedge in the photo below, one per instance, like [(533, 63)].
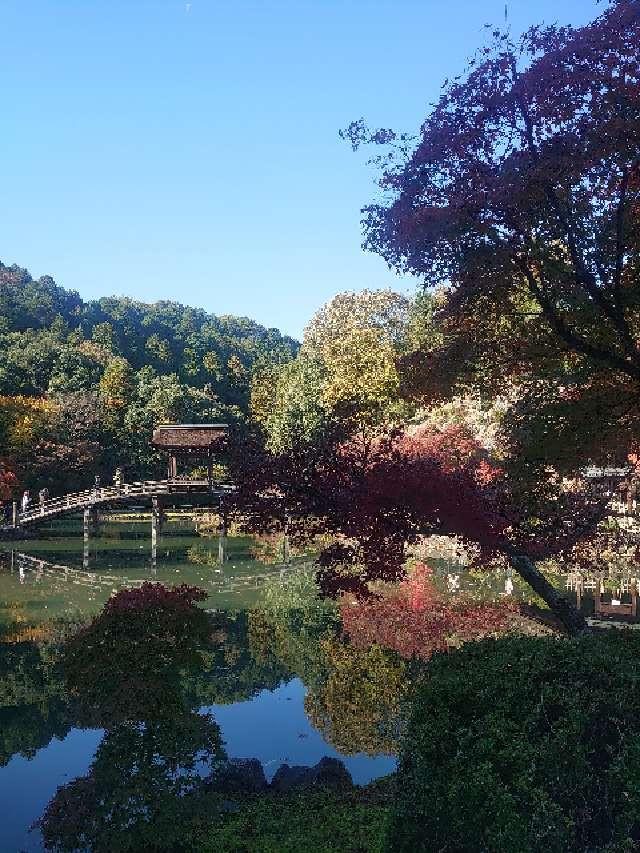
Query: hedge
[(524, 744)]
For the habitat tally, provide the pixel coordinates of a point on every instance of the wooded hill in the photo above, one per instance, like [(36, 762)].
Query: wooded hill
[(84, 381)]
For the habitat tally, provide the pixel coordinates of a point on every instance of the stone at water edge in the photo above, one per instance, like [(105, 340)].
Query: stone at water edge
[(327, 773), (239, 776)]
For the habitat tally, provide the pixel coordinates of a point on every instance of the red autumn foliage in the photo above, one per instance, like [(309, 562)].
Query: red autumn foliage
[(8, 482), (125, 664), (154, 596), (375, 497), (415, 620)]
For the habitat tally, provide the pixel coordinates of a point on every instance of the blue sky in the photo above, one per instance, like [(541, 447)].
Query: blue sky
[(190, 151)]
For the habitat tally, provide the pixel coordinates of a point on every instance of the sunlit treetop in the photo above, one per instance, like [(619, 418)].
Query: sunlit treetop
[(384, 310)]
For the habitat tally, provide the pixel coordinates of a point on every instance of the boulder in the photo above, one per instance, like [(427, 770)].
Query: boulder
[(327, 773), (238, 776)]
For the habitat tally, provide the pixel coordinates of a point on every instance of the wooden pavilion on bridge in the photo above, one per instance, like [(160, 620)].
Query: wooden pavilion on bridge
[(179, 441), (190, 442)]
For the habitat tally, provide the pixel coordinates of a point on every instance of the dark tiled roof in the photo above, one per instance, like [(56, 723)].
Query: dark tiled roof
[(188, 436)]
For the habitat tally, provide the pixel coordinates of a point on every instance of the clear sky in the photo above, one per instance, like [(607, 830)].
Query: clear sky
[(190, 151)]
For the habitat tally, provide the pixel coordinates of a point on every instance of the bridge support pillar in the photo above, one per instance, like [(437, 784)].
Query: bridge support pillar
[(222, 539), (90, 522), (286, 545), (157, 521)]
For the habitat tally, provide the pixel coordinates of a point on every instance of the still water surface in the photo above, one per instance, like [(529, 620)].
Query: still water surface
[(267, 678), (265, 661)]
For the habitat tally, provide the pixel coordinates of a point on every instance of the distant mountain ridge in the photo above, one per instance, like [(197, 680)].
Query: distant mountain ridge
[(138, 329)]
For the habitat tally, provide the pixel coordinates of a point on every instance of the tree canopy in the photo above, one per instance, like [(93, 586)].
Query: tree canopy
[(83, 383), (521, 196)]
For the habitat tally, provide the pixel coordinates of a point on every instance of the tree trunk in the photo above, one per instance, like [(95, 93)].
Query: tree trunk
[(569, 615)]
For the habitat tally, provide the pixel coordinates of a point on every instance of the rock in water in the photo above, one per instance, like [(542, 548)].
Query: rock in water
[(327, 773), (239, 776)]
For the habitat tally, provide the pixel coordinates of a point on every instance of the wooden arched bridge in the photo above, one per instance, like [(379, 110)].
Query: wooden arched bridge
[(154, 493), (192, 441)]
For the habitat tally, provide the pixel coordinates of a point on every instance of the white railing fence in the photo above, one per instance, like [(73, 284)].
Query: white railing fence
[(101, 495)]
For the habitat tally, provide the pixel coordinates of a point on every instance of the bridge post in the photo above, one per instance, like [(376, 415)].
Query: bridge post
[(286, 546), (157, 519), (209, 469), (90, 522), (222, 537)]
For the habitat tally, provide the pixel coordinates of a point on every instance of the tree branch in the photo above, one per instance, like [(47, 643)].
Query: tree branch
[(573, 621), (584, 276), (624, 185), (570, 337)]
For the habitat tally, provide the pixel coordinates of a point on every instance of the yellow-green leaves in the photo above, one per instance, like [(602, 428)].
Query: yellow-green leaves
[(287, 401), (346, 371), (382, 310), (361, 373)]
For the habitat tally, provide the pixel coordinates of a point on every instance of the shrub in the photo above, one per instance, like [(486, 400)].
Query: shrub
[(309, 821), (524, 744)]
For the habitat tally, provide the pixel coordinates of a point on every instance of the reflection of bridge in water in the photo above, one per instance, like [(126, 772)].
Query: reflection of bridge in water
[(32, 569)]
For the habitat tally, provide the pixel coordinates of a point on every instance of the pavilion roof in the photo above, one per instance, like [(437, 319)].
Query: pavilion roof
[(188, 437)]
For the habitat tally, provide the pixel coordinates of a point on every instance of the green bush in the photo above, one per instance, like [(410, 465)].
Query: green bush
[(304, 822), (524, 744)]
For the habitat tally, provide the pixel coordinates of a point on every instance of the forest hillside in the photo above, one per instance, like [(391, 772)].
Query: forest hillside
[(82, 383)]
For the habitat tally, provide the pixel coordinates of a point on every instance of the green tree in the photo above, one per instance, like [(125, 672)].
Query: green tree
[(288, 402)]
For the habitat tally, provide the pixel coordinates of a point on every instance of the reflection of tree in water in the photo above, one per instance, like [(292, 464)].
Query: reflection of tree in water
[(143, 667), (231, 672), (358, 706), (354, 695), (144, 790), (37, 703), (32, 705), (146, 786), (289, 624)]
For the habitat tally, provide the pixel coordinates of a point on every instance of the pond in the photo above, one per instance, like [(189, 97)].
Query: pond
[(261, 681), (106, 712)]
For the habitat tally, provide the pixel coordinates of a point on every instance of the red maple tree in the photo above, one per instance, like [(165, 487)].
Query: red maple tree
[(414, 620), (375, 497), (8, 482)]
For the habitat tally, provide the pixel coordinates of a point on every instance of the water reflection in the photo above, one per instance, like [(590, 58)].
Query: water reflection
[(33, 704), (151, 671), (124, 673), (153, 694)]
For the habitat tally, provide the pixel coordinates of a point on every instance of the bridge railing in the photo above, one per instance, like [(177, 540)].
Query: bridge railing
[(108, 494)]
